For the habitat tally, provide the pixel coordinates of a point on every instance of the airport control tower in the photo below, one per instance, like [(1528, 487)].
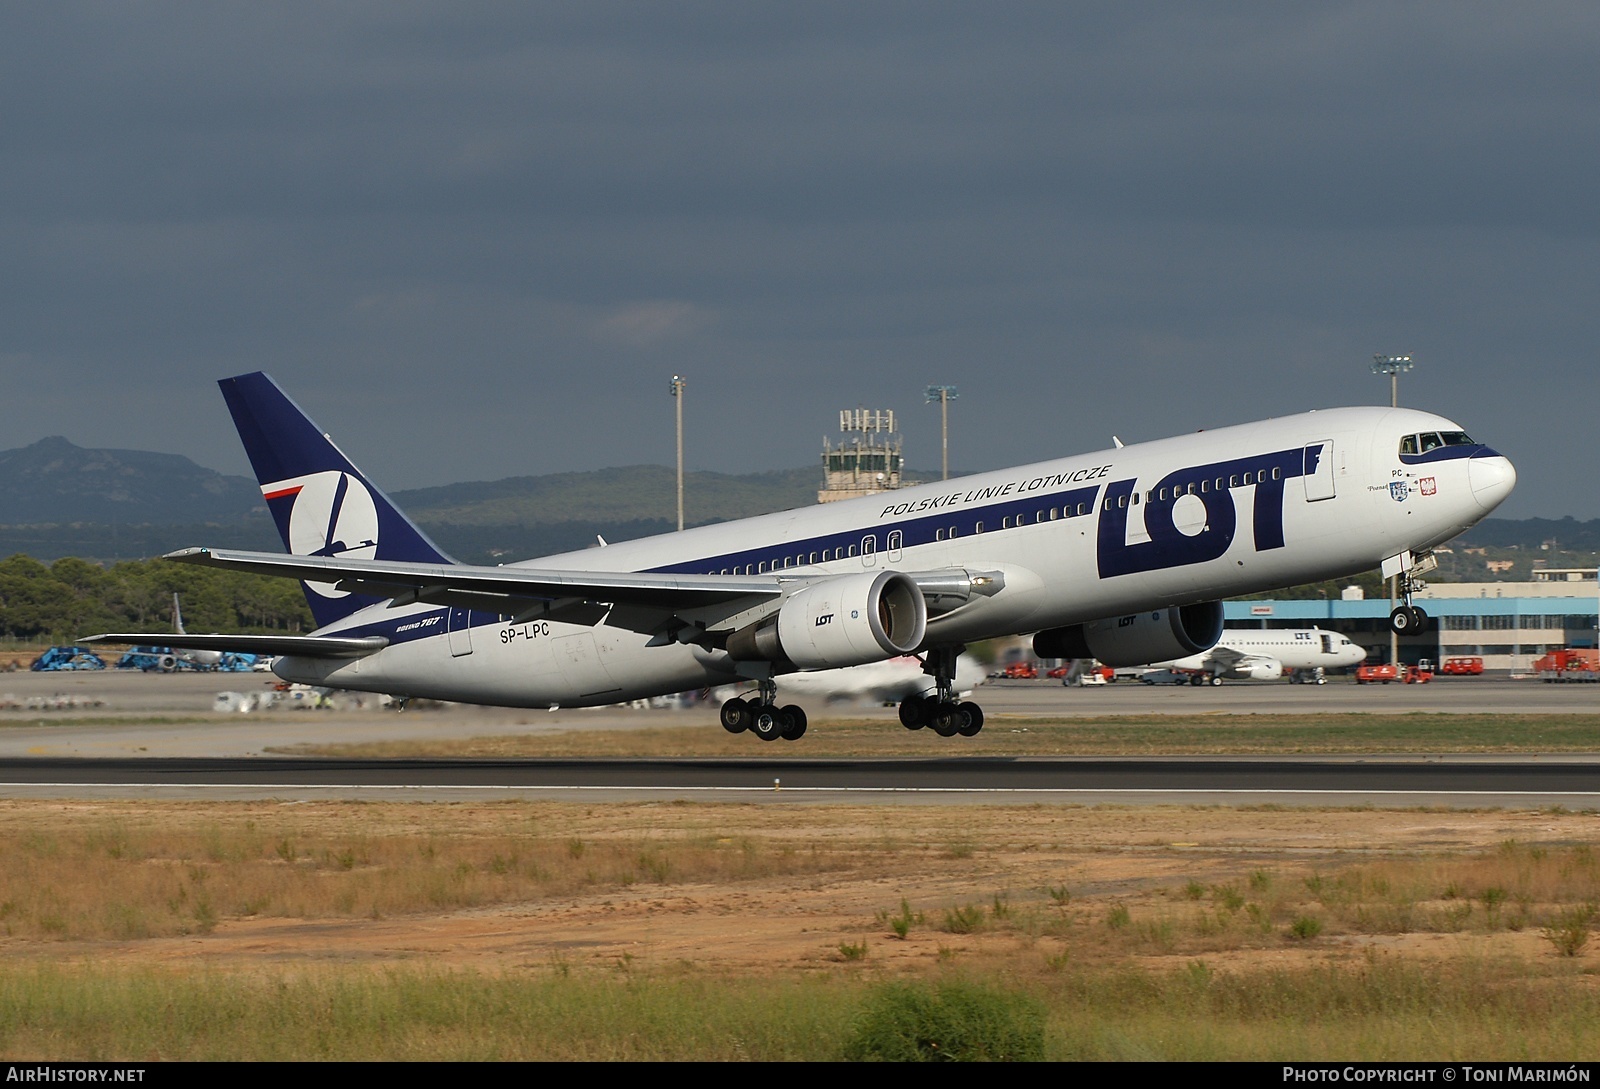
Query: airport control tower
[(867, 458)]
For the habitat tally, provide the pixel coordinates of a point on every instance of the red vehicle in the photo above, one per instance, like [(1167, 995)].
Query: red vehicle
[(1462, 667), (1020, 671), (1376, 674), (1421, 673), (1569, 665)]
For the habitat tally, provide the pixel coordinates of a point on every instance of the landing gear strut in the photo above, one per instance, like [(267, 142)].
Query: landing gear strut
[(763, 717), (1408, 619), (941, 711)]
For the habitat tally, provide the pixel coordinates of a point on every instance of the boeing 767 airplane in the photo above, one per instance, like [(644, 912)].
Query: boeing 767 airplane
[(1122, 555)]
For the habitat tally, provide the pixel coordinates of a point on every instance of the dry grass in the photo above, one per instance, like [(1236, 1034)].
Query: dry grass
[(143, 872), (549, 930)]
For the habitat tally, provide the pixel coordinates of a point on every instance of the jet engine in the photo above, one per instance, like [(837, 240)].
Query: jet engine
[(839, 622), (1159, 635), (1258, 669)]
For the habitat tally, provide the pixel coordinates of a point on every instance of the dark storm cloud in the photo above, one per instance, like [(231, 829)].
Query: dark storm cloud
[(476, 240)]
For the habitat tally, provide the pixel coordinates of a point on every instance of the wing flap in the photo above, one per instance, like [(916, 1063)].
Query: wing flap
[(426, 581)]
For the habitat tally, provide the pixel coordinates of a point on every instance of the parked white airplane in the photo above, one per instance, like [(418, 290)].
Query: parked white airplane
[(1120, 555), (1259, 654), (891, 681), (204, 659)]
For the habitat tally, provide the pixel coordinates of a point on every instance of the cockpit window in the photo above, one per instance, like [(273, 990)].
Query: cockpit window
[(1433, 440)]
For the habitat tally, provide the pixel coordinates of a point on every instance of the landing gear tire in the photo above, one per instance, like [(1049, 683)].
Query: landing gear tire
[(1196, 680), (1216, 680), (766, 723), (948, 720), (792, 721), (915, 711), (1407, 620), (735, 716), (974, 721)]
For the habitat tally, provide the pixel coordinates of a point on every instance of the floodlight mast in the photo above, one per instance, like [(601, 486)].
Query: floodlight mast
[(1392, 365), (944, 395), (678, 383)]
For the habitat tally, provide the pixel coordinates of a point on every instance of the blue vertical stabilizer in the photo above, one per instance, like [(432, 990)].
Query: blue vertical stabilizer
[(322, 504)]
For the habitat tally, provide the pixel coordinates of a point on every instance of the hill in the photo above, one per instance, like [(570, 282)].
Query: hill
[(54, 482), (58, 499)]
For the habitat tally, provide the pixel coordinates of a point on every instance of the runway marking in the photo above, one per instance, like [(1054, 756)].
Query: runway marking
[(816, 789)]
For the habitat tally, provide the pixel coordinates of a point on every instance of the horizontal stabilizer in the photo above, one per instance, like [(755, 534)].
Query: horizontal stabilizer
[(299, 646)]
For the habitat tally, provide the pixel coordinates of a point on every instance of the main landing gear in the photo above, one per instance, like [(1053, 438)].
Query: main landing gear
[(763, 717), (941, 711)]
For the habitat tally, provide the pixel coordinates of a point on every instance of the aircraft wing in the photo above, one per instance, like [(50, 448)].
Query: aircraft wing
[(301, 646), (638, 601), (1226, 657)]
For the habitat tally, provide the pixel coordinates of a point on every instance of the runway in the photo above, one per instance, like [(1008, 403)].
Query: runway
[(157, 737), (1437, 781)]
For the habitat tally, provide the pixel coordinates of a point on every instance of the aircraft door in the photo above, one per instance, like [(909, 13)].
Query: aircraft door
[(1319, 470), (896, 538), (460, 632)]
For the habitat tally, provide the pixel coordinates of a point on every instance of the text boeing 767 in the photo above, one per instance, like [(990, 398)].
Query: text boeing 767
[(1121, 555)]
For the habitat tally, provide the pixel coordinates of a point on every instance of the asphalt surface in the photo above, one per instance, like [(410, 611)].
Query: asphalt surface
[(158, 736)]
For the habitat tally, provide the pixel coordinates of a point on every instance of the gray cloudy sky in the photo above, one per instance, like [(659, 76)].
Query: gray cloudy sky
[(476, 240)]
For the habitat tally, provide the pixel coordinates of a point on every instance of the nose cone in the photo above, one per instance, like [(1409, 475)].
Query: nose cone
[(1491, 477)]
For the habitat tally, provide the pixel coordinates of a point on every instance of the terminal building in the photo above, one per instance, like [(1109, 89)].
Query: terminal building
[(1508, 624)]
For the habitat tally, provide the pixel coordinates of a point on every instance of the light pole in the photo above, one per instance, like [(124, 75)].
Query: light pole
[(1392, 365), (944, 395), (678, 383)]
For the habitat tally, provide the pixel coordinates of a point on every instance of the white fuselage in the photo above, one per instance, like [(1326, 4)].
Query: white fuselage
[(1177, 521)]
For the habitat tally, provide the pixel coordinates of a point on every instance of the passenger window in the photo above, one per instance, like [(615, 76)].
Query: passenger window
[(978, 528), (938, 534)]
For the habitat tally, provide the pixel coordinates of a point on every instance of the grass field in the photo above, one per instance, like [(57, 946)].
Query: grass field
[(141, 931), (1008, 735)]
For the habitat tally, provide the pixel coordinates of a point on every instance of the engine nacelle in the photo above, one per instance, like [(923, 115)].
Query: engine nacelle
[(1262, 669), (839, 622), (1159, 635)]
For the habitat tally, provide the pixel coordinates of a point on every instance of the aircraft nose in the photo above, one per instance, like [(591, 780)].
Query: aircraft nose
[(1492, 477)]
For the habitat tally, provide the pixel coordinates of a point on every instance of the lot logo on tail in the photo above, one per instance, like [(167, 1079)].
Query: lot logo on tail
[(332, 514)]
